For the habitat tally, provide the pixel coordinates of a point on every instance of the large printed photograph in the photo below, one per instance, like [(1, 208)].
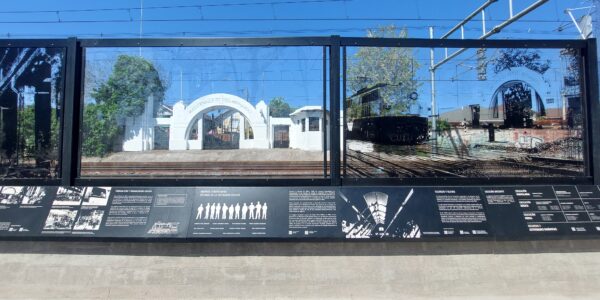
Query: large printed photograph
[(485, 112), (31, 93), (204, 112), (405, 213)]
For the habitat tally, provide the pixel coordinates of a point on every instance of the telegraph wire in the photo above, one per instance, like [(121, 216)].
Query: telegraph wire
[(267, 32), (170, 6), (127, 20)]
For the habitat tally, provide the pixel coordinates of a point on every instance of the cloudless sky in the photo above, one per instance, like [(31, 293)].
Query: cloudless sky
[(295, 73), (271, 17)]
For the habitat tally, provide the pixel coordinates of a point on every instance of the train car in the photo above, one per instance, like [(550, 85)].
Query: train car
[(367, 122), (395, 130)]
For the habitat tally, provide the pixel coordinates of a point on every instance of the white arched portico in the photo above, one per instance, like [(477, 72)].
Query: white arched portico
[(540, 83), (183, 119), (536, 80)]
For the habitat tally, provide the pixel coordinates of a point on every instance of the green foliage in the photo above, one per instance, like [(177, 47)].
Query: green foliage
[(353, 110), (26, 127), (441, 124), (278, 108), (133, 81), (27, 147), (512, 58), (100, 129), (395, 67)]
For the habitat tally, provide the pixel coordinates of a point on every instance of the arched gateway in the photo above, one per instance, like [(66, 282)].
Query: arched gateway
[(219, 117), (185, 118)]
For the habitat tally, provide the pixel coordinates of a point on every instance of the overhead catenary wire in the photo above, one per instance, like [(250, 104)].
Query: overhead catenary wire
[(129, 20), (169, 6), (556, 32)]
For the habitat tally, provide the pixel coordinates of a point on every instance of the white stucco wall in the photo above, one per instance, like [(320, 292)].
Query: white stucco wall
[(183, 116), (306, 140), (139, 131)]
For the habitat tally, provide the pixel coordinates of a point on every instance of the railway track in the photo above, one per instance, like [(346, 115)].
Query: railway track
[(359, 164), (368, 164), (234, 168), (412, 166)]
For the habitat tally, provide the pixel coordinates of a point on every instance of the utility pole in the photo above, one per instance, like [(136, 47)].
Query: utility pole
[(485, 34), (141, 23), (585, 34), (433, 104)]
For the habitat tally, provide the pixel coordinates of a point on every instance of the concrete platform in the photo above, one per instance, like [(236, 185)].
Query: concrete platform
[(564, 269)]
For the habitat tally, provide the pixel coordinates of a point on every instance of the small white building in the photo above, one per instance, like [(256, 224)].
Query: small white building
[(307, 128), (223, 121)]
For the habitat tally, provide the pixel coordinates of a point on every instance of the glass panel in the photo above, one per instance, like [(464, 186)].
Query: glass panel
[(31, 93), (487, 113), (202, 112)]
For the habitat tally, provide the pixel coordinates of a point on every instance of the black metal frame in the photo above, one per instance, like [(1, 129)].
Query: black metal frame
[(324, 42), (589, 89), (69, 46), (73, 109), (592, 93)]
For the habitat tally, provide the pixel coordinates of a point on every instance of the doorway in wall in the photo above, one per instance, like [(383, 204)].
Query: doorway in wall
[(281, 136)]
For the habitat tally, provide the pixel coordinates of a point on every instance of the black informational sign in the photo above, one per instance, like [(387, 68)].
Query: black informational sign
[(384, 213), (238, 212)]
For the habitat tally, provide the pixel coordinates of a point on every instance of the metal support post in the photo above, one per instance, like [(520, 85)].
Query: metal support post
[(334, 93), (70, 115), (433, 104), (592, 106), (483, 29)]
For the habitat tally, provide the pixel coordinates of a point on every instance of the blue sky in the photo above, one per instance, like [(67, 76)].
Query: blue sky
[(344, 17), (265, 73)]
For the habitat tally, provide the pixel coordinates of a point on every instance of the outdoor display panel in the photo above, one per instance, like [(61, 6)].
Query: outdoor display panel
[(492, 112), (201, 139), (31, 101), (204, 112), (342, 213)]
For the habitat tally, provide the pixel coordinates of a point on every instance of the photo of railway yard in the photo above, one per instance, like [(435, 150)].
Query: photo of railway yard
[(498, 113), (457, 158)]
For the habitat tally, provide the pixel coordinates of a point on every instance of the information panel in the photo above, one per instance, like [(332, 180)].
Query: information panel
[(299, 212)]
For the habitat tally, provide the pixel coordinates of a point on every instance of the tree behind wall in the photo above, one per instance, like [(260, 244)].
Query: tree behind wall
[(393, 67), (279, 108), (123, 95)]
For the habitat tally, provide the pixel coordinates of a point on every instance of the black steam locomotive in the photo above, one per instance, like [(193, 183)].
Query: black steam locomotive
[(366, 120)]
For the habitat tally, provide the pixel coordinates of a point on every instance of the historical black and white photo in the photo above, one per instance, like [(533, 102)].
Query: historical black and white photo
[(89, 219), (164, 228), (69, 195), (11, 195), (394, 213), (97, 196), (33, 195), (60, 219)]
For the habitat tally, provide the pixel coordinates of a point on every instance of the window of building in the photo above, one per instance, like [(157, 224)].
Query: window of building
[(303, 122), (313, 124)]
